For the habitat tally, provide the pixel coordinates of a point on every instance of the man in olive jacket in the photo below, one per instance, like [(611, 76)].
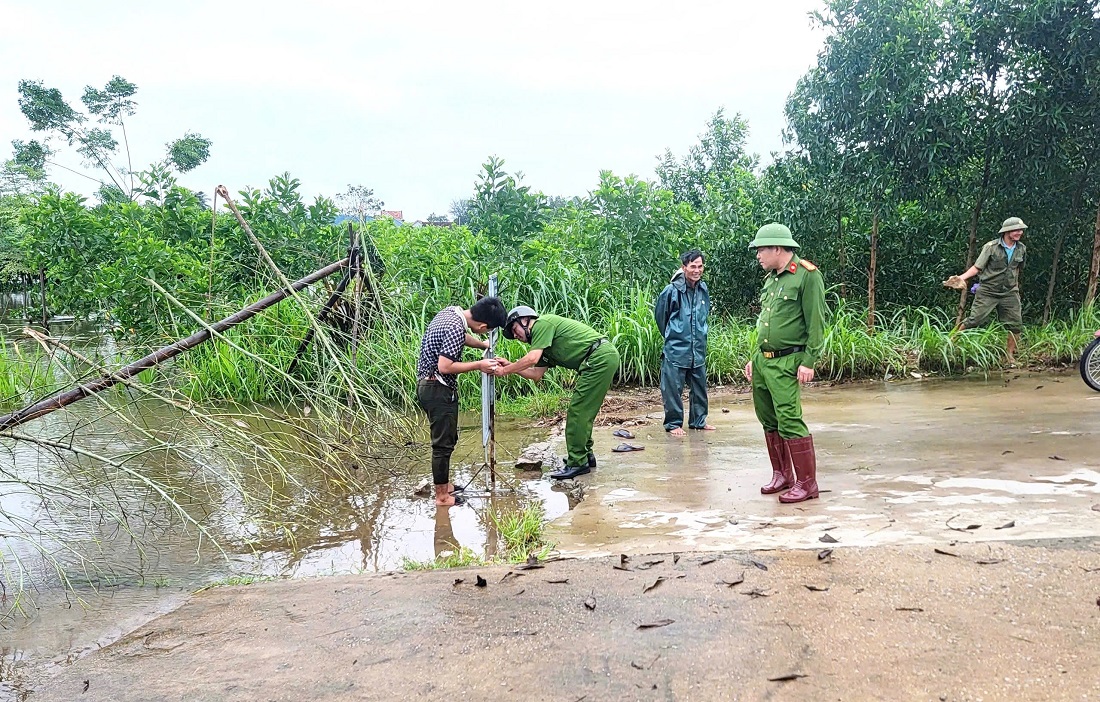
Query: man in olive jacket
[(998, 269), (681, 311)]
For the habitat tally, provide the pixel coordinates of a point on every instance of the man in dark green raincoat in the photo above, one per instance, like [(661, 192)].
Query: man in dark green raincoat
[(790, 334), (681, 312)]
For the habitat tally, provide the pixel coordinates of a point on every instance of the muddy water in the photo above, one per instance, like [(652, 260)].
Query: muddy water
[(904, 462), (119, 580)]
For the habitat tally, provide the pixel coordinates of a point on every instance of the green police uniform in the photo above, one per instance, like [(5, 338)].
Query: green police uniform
[(572, 344), (792, 315), (999, 286), (790, 333)]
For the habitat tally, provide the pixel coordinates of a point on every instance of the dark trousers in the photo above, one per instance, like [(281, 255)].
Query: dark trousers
[(672, 391), (440, 403)]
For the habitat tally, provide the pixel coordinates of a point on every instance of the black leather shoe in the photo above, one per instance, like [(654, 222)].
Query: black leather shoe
[(567, 472), (591, 460)]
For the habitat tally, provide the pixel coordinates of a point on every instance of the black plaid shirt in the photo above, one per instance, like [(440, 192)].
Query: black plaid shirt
[(445, 336)]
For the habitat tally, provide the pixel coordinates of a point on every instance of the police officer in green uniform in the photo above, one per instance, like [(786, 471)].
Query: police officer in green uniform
[(790, 332), (557, 341), (998, 270)]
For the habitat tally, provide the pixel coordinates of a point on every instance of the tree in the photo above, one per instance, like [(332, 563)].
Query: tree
[(503, 209), (359, 202), (47, 111)]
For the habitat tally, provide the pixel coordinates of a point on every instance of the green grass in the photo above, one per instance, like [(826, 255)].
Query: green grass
[(521, 534), (235, 580)]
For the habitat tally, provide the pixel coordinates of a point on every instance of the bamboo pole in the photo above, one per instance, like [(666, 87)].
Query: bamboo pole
[(68, 397)]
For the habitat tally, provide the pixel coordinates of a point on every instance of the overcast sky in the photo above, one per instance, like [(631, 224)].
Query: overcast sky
[(409, 97)]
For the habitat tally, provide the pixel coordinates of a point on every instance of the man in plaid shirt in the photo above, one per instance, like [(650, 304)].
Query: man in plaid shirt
[(437, 371)]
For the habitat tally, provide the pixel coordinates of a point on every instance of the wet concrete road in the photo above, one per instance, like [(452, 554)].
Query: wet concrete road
[(901, 462)]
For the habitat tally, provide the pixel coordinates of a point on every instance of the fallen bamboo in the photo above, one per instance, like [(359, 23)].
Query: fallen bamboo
[(68, 397)]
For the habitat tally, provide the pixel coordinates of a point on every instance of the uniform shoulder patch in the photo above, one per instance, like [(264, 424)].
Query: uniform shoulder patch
[(807, 265)]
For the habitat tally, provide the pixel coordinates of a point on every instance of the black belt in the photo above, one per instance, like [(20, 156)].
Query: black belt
[(782, 352), (595, 345)]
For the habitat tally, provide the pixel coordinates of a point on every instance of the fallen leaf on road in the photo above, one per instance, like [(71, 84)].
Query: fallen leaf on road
[(707, 561), (623, 560), (510, 574), (562, 581), (481, 582), (654, 584), (590, 603), (827, 539), (531, 564), (1038, 387), (1007, 526), (945, 553), (754, 593), (1096, 508), (725, 410), (758, 564), (908, 609), (949, 408), (734, 583), (458, 581), (1005, 453), (787, 678), (636, 666), (675, 558), (822, 555), (993, 561), (1056, 457), (649, 564), (815, 588), (656, 623)]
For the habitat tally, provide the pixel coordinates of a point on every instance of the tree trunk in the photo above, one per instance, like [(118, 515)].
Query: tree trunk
[(1094, 263), (871, 273), (842, 254), (1075, 202), (972, 243), (42, 292)]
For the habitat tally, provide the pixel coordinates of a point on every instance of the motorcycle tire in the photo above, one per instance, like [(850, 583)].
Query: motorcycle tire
[(1090, 364)]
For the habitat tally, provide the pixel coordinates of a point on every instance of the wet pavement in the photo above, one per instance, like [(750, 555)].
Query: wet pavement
[(918, 461)]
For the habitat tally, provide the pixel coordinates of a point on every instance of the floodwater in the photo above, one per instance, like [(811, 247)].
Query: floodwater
[(1005, 457)]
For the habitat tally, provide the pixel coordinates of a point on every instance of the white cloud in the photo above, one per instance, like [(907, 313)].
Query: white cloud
[(410, 97)]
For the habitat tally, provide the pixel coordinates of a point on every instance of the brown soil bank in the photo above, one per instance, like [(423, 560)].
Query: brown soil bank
[(993, 621)]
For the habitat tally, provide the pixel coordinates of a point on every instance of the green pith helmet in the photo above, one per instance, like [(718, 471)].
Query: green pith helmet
[(1012, 224), (517, 313), (773, 234)]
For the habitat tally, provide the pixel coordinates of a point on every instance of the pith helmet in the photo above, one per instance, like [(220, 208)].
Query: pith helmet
[(773, 234), (518, 312), (1012, 224)]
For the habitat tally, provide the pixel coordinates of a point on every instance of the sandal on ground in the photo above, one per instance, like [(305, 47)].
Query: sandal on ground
[(622, 434), (623, 448)]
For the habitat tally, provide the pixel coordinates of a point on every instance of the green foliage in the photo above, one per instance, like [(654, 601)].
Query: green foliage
[(47, 111)]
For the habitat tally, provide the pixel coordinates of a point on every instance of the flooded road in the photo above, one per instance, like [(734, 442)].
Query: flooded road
[(1009, 457), (898, 463)]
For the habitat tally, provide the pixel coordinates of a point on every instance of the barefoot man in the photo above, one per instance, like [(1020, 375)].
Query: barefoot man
[(681, 311), (437, 372)]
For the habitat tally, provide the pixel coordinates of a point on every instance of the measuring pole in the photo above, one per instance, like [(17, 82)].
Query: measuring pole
[(489, 402)]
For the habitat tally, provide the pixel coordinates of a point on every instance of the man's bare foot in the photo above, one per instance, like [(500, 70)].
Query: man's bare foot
[(678, 431), (709, 427)]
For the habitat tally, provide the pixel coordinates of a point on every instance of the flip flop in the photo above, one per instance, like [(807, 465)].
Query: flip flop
[(623, 448), (622, 434)]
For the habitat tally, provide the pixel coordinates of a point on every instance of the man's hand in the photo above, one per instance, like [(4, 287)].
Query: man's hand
[(1097, 334), (748, 371), (805, 374), (955, 282), (487, 365)]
